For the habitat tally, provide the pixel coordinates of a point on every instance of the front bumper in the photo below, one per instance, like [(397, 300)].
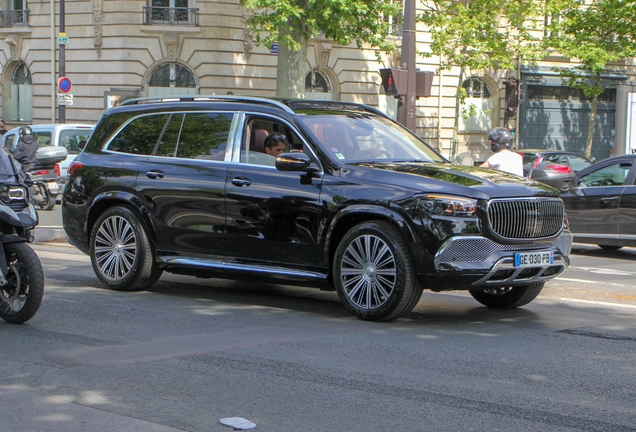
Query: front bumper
[(474, 261)]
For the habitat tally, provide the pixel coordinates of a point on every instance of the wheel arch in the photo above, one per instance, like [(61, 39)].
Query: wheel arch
[(355, 214), (110, 199)]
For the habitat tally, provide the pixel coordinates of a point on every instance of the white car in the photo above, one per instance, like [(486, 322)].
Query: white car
[(72, 136)]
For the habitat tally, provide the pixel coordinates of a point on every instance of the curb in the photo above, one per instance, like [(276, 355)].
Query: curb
[(47, 234)]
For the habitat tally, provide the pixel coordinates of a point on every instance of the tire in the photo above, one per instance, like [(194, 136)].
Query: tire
[(121, 254), (20, 299), (374, 273), (508, 297), (610, 247), (50, 202)]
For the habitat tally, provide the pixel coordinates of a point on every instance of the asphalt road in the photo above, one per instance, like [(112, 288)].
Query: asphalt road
[(189, 352)]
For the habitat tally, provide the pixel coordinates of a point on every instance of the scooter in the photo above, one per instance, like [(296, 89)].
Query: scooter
[(21, 275), (44, 176)]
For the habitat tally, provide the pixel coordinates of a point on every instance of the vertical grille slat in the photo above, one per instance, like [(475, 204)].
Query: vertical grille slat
[(526, 218)]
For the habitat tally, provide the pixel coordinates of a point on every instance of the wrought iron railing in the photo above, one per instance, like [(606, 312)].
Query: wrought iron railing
[(172, 16), (14, 18)]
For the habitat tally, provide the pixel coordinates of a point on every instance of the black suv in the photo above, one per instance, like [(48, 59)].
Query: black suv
[(356, 203)]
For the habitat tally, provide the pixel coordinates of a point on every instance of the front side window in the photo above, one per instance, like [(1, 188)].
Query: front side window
[(611, 175), (140, 135)]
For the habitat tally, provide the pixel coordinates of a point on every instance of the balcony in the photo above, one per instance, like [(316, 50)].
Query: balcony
[(171, 16), (14, 18)]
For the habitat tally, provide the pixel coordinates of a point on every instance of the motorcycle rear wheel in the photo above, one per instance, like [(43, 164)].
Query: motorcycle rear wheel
[(50, 202), (21, 297)]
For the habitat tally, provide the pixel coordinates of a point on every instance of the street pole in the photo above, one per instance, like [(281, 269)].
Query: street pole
[(406, 114), (62, 109)]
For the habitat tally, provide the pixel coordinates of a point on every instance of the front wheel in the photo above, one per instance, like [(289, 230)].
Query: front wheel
[(120, 251), (508, 297), (21, 297), (374, 273)]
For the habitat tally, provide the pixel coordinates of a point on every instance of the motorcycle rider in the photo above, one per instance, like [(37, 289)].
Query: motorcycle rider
[(26, 148), (504, 159)]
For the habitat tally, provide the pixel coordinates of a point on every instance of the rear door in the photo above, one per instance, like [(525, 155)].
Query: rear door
[(183, 182), (627, 212)]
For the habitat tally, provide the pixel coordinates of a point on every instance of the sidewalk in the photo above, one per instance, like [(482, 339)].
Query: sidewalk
[(48, 233)]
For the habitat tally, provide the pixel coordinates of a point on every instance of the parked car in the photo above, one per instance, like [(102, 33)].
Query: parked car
[(553, 167), (183, 185), (601, 206), (72, 136)]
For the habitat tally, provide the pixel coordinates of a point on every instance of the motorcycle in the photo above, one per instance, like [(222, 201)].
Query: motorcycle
[(44, 176), (21, 275)]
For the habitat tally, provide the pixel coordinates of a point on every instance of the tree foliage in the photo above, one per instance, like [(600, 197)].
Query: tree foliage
[(478, 35), (292, 23), (593, 33)]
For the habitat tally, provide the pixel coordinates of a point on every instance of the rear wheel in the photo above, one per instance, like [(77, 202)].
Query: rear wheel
[(21, 297), (121, 253), (610, 247), (508, 297), (49, 203), (374, 273)]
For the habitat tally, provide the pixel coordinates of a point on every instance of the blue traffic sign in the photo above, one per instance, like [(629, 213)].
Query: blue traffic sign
[(64, 84)]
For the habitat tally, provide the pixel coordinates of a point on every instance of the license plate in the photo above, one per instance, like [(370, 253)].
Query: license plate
[(53, 187), (534, 259)]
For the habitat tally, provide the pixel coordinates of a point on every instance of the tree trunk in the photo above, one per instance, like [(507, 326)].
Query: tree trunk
[(458, 113), (590, 129), (291, 68)]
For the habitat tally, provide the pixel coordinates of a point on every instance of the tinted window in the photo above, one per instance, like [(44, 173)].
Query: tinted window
[(204, 136), (578, 163), (140, 136), (612, 175), (168, 140)]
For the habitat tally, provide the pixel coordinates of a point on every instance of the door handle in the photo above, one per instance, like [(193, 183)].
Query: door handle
[(155, 174), (606, 202), (241, 182)]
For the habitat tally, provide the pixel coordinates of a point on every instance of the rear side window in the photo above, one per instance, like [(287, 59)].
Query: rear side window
[(204, 136), (140, 135), (74, 139), (43, 138)]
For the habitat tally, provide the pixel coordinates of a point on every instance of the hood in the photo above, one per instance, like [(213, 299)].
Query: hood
[(28, 139), (469, 181)]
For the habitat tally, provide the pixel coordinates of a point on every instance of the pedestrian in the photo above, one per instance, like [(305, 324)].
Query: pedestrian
[(504, 159), (26, 148), (2, 128)]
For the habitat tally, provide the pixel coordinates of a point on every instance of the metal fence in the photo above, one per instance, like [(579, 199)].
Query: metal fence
[(14, 18)]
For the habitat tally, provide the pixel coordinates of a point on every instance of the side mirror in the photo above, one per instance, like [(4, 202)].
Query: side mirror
[(296, 161)]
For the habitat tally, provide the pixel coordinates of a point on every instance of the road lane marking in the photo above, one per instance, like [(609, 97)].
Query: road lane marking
[(596, 303)]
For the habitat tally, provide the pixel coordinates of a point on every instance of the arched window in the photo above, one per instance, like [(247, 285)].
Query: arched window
[(171, 79), (18, 101), (478, 106), (318, 85)]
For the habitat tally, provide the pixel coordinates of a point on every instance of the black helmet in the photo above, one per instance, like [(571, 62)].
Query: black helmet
[(25, 130), (500, 138)]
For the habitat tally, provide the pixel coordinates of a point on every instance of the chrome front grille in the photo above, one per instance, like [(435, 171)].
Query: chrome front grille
[(526, 218)]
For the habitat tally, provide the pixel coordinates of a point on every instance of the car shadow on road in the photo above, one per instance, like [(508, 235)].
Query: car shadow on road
[(595, 251)]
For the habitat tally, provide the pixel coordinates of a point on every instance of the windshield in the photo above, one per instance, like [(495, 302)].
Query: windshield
[(355, 137), (8, 166)]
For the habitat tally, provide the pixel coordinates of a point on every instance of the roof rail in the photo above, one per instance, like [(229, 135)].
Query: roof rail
[(203, 98), (334, 105)]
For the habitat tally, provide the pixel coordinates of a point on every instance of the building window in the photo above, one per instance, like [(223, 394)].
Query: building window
[(477, 108), (318, 85), (14, 16), (18, 100), (171, 79), (171, 12)]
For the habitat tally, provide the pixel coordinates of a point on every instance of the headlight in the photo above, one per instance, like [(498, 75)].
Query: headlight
[(446, 205), (12, 193)]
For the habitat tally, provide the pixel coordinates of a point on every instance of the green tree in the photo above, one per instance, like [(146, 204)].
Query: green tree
[(594, 33), (482, 35), (292, 23)]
